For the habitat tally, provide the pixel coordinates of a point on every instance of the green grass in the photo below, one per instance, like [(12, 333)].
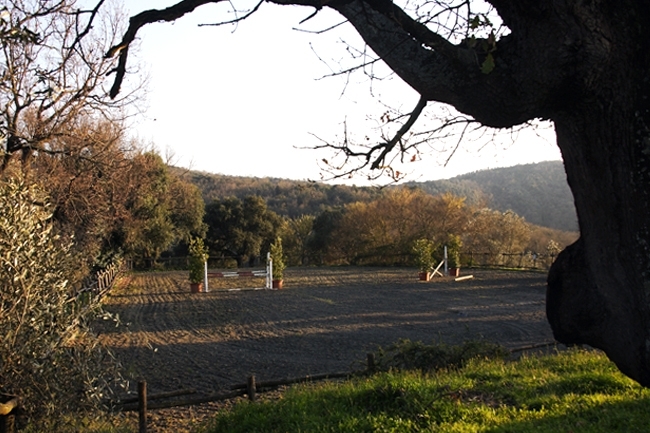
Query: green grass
[(574, 391)]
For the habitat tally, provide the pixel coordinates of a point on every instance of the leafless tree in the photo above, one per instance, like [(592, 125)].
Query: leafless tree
[(53, 73)]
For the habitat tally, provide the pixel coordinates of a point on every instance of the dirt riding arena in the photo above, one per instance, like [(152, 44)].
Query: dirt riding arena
[(324, 320)]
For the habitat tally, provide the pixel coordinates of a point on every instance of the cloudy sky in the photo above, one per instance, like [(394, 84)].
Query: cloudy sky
[(248, 99)]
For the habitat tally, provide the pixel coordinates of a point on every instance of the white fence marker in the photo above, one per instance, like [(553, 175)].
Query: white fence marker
[(205, 277)]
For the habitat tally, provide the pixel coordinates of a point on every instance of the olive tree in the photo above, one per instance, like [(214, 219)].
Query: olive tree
[(161, 210), (582, 65), (48, 355)]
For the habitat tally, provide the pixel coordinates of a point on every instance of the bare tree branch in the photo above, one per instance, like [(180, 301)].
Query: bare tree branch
[(367, 155), (93, 13), (54, 80), (136, 22), (319, 32), (236, 20), (387, 147)]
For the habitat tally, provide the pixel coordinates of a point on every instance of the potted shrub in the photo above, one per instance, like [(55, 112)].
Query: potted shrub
[(277, 259), (198, 256), (423, 250), (453, 255)]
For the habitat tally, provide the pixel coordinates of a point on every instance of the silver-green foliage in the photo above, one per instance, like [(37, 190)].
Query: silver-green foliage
[(48, 355)]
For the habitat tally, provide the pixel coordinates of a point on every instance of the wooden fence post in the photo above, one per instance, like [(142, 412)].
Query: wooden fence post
[(250, 388), (370, 360), (142, 406)]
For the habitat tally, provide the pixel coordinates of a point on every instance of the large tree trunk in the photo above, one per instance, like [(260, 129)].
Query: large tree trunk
[(598, 288)]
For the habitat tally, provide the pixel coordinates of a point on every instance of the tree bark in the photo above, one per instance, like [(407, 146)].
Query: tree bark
[(598, 287)]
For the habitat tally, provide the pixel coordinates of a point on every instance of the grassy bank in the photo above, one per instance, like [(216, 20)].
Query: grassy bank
[(574, 391)]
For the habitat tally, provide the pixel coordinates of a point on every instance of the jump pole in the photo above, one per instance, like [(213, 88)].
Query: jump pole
[(445, 259), (268, 273)]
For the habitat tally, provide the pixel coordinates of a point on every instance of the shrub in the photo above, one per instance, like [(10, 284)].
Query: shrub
[(423, 250), (277, 257), (454, 245), (409, 355), (198, 256), (48, 355)]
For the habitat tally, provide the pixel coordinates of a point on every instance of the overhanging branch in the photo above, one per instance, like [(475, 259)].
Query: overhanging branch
[(373, 156), (138, 21), (390, 145), (414, 28), (236, 20)]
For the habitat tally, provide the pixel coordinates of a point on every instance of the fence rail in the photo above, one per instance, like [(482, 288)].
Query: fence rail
[(101, 282), (521, 260)]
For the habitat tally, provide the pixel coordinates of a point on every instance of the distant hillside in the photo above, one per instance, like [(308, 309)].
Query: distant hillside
[(285, 197), (538, 192)]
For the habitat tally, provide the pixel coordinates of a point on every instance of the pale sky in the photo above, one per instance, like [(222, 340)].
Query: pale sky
[(242, 100)]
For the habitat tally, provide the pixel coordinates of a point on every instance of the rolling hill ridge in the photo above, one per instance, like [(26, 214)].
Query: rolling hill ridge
[(538, 192)]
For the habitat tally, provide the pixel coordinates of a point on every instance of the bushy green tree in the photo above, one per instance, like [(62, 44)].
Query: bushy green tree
[(241, 228), (299, 231), (161, 210), (48, 354), (324, 227), (423, 253)]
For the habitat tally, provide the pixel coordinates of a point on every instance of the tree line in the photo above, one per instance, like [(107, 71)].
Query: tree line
[(538, 192), (377, 232)]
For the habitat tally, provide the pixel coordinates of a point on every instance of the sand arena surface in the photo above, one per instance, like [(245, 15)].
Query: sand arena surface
[(324, 320)]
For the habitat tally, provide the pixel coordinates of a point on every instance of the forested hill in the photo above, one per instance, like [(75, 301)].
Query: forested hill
[(285, 197), (538, 192)]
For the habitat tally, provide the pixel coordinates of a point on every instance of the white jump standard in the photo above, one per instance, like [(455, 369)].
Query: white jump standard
[(267, 272)]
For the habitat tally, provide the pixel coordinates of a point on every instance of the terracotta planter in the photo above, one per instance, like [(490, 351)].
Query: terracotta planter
[(278, 284), (454, 272), (425, 276), (196, 287)]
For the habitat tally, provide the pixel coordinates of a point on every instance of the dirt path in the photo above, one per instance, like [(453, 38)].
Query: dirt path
[(325, 320)]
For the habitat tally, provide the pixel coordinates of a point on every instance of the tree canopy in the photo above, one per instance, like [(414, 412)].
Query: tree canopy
[(241, 228), (582, 65)]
